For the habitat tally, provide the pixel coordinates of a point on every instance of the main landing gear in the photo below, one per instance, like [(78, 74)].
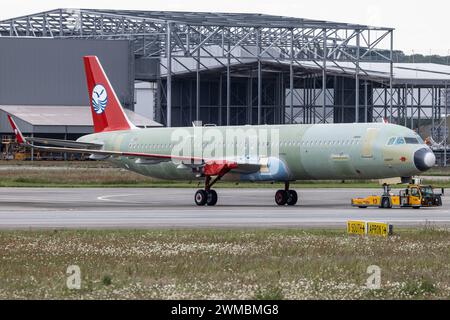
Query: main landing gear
[(207, 196), (286, 196), (217, 169)]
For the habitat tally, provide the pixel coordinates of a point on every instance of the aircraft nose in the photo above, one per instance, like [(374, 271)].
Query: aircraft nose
[(424, 159)]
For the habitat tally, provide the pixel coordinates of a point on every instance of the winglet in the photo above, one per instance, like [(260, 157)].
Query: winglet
[(19, 136)]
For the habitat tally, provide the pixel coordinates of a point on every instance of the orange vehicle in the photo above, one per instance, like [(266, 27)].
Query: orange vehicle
[(414, 196)]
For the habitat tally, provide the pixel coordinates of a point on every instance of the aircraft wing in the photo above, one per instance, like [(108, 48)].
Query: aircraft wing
[(64, 143), (209, 166)]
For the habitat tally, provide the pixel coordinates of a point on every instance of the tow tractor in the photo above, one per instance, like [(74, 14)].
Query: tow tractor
[(414, 196)]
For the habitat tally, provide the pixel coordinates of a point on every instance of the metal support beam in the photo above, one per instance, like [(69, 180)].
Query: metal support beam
[(228, 84), (220, 101), (433, 111), (291, 79), (365, 102), (412, 107), (169, 76), (324, 77), (250, 99), (158, 110), (343, 101), (391, 77), (358, 44), (446, 127), (313, 106), (305, 97), (197, 88), (419, 103), (258, 48), (399, 102), (281, 100)]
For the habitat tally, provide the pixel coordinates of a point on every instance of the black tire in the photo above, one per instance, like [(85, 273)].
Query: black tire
[(386, 203), (201, 197), (362, 207), (292, 198), (211, 198), (416, 208), (281, 197)]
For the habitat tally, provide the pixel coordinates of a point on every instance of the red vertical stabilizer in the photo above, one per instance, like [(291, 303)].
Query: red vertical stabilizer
[(107, 112)]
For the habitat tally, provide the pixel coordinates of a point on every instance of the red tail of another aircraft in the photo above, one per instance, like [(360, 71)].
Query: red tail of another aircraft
[(107, 112)]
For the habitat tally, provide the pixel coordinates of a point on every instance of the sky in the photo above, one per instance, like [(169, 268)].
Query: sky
[(421, 26)]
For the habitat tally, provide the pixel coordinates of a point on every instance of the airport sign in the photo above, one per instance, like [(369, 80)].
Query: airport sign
[(369, 228), (356, 227)]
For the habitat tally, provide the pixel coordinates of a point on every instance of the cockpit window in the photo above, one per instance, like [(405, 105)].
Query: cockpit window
[(411, 140), (405, 140), (391, 141)]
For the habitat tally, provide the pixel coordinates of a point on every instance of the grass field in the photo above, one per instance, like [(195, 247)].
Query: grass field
[(103, 174), (218, 264)]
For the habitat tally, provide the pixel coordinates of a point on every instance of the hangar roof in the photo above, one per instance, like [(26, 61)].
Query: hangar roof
[(206, 18), (227, 19)]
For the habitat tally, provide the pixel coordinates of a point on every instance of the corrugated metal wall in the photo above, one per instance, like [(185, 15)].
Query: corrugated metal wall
[(37, 71)]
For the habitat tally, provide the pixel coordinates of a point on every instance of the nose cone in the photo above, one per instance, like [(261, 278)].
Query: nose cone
[(424, 159)]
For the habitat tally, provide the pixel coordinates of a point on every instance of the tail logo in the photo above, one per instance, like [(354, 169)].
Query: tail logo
[(99, 99)]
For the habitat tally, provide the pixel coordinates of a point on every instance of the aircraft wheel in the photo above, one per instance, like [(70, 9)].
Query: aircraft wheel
[(211, 198), (292, 198), (201, 197), (281, 197)]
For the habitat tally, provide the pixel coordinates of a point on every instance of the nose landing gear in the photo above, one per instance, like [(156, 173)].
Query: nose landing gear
[(217, 169), (286, 196)]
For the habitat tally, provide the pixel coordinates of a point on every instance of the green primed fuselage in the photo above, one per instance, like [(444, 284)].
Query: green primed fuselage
[(308, 152)]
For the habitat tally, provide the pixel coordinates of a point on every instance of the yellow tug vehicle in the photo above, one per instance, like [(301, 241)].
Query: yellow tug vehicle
[(414, 196)]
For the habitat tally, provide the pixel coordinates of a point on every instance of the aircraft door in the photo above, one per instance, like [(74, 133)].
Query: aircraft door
[(368, 143)]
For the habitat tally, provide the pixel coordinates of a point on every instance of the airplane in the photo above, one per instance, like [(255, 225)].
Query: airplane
[(285, 153)]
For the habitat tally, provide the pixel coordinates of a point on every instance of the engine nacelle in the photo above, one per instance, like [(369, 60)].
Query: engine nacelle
[(272, 169)]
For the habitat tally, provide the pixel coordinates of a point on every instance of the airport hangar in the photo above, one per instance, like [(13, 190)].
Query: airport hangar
[(218, 68)]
